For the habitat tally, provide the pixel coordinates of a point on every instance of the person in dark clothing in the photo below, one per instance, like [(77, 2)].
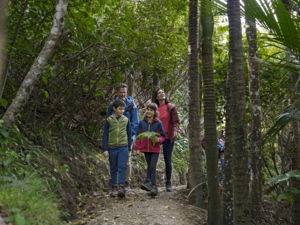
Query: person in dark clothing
[(170, 120), (150, 146)]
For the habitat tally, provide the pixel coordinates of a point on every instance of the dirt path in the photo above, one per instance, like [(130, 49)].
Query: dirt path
[(168, 208)]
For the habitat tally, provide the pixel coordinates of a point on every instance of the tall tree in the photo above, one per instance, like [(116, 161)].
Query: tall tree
[(214, 203), (39, 64), (295, 77), (296, 166), (194, 107), (3, 7), (255, 129), (228, 152), (238, 115)]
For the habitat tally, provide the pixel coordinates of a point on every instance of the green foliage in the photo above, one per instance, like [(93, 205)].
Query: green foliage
[(28, 201), (281, 122), (148, 134), (180, 158), (275, 17), (284, 177), (24, 196), (288, 192)]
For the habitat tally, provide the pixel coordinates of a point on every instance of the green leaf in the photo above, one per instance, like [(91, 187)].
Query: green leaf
[(20, 220), (283, 177), (148, 134), (284, 196), (45, 93), (3, 102)]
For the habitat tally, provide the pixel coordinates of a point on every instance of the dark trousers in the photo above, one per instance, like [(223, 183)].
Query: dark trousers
[(168, 150), (151, 159)]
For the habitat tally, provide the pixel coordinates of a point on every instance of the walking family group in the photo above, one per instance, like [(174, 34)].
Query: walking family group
[(121, 128)]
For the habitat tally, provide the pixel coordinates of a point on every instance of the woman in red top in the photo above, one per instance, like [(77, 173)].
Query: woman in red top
[(169, 117)]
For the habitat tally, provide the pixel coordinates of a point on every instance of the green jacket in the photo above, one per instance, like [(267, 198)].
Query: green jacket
[(116, 132)]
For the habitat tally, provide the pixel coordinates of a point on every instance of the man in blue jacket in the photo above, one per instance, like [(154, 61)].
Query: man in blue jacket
[(131, 112)]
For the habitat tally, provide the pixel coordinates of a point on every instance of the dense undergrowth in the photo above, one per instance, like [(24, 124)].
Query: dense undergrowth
[(41, 175)]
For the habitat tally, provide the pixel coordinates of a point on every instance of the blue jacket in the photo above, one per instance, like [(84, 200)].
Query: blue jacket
[(131, 112)]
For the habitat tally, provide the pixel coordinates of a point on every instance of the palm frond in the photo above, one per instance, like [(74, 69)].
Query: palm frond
[(282, 120), (274, 17)]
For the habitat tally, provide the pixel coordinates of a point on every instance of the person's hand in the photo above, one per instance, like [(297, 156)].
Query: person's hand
[(138, 152), (105, 153), (157, 140), (175, 134)]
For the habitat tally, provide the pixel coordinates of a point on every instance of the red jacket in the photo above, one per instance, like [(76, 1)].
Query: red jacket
[(173, 124), (146, 144)]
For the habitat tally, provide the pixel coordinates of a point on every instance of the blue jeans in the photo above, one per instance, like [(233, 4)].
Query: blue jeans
[(151, 159), (117, 161), (222, 170), (168, 150), (221, 155)]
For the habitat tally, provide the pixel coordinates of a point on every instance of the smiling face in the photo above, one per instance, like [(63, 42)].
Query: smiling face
[(161, 95), (150, 113), (119, 110), (121, 93)]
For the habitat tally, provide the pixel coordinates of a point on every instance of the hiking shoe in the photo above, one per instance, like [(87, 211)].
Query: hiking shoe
[(114, 192), (169, 188), (146, 186), (127, 186), (153, 191), (121, 192)]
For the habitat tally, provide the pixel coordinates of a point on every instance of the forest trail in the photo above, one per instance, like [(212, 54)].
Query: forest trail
[(168, 208)]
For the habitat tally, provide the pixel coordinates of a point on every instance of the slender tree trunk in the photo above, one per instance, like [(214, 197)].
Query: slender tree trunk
[(214, 204), (39, 64), (255, 129), (194, 108), (3, 7), (238, 115), (296, 166), (228, 177)]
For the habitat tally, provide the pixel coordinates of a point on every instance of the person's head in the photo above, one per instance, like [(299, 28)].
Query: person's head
[(118, 106), (122, 91), (160, 95), (151, 111)]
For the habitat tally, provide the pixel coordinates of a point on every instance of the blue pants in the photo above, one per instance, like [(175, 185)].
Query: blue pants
[(117, 161), (168, 150), (222, 169), (151, 159)]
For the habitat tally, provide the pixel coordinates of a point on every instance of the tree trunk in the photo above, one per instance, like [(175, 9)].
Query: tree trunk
[(296, 166), (227, 184), (3, 7), (194, 108), (238, 115), (255, 129), (39, 64), (214, 204)]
